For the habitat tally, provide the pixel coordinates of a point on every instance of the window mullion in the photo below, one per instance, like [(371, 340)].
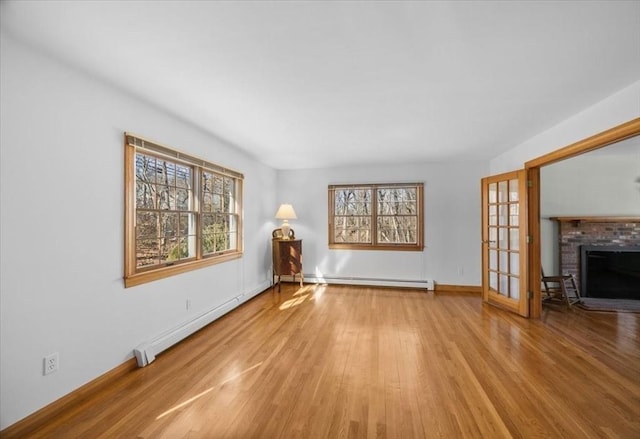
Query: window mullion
[(374, 216), (197, 207)]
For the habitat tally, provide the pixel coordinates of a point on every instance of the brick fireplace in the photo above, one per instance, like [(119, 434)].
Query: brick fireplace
[(575, 232)]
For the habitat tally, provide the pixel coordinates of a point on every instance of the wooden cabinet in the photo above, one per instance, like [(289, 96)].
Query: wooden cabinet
[(287, 259)]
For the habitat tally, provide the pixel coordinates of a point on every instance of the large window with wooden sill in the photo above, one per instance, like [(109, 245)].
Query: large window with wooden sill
[(376, 216), (181, 212)]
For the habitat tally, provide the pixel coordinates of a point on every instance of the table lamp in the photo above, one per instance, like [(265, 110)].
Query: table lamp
[(285, 213)]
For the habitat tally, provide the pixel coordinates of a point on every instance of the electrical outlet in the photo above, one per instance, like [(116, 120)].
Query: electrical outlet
[(51, 363)]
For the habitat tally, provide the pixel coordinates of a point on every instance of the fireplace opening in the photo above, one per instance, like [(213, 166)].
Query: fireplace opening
[(610, 272)]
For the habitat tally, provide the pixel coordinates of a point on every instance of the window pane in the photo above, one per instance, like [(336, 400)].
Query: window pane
[(183, 199), (515, 263), (161, 175), (493, 237), (229, 187), (219, 232), (504, 262), (513, 214), (147, 252), (514, 290), (217, 203), (145, 168), (493, 280), (503, 215), (352, 235), (144, 195), (493, 193), (503, 242), (207, 203), (207, 182), (233, 223), (233, 239), (227, 202), (183, 177), (147, 225), (493, 260), (186, 226), (169, 225), (514, 238), (396, 201), (166, 246), (218, 184), (504, 285), (219, 193), (397, 230), (171, 193), (352, 202), (170, 173), (164, 197), (493, 215), (503, 195), (178, 249), (208, 244), (364, 236), (513, 190)]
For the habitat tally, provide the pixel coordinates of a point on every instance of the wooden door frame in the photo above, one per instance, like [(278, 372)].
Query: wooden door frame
[(532, 169)]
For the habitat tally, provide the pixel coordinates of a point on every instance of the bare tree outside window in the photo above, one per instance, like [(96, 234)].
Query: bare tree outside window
[(376, 216), (165, 219), (181, 212)]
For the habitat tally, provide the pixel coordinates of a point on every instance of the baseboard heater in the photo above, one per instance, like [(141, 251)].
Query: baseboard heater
[(402, 283), (146, 352)]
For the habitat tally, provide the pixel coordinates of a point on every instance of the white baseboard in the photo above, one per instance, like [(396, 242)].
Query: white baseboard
[(374, 282)]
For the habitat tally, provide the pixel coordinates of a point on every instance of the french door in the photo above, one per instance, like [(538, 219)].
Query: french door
[(504, 247)]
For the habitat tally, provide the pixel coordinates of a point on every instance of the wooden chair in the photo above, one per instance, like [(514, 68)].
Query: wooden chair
[(560, 288)]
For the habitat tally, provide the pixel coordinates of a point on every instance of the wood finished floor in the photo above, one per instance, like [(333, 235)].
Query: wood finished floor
[(334, 362)]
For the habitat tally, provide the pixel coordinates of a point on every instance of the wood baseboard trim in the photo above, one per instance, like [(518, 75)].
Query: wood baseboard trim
[(30, 424), (458, 289)]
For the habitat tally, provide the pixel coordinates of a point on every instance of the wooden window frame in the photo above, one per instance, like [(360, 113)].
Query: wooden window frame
[(417, 246), (134, 275)]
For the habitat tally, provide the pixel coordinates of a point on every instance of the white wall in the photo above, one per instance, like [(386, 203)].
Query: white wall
[(616, 109), (601, 182), (452, 222), (62, 230)]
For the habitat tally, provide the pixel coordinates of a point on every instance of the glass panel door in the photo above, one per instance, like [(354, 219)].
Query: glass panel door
[(503, 241)]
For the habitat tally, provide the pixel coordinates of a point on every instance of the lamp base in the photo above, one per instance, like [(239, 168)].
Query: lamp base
[(286, 228)]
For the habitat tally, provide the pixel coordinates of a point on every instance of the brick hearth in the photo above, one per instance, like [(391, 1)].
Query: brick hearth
[(574, 232)]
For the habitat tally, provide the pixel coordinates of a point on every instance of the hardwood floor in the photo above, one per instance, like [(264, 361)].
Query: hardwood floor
[(335, 361)]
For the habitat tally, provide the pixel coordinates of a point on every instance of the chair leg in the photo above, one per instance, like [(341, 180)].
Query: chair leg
[(565, 293)]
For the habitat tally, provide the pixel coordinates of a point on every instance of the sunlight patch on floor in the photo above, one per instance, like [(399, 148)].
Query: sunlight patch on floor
[(209, 390), (293, 302), (306, 293)]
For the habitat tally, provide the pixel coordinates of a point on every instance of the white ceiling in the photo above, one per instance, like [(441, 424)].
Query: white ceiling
[(315, 84)]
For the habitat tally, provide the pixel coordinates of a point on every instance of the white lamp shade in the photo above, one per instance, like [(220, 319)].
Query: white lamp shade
[(286, 212)]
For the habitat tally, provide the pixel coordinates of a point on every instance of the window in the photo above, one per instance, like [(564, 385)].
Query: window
[(181, 213), (376, 216)]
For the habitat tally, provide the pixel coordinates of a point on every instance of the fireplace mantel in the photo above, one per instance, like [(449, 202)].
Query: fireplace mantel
[(596, 219)]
